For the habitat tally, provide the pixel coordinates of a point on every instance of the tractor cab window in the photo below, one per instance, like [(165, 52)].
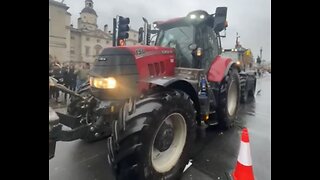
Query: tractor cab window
[(179, 38), (207, 40)]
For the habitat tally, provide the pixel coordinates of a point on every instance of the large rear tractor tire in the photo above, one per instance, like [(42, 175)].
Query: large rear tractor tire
[(253, 89), (244, 92), (229, 98), (248, 88), (154, 142)]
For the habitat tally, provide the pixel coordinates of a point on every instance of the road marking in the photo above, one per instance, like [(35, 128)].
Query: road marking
[(187, 166)]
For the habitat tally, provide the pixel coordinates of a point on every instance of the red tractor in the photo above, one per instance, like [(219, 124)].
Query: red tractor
[(154, 96)]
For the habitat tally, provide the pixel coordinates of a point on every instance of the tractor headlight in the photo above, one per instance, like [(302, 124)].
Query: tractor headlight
[(198, 16), (103, 83), (155, 25), (199, 52), (193, 16)]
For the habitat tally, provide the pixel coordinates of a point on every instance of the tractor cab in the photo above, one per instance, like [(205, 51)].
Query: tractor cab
[(195, 38)]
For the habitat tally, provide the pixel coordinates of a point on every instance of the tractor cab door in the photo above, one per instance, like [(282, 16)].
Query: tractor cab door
[(206, 39), (179, 38)]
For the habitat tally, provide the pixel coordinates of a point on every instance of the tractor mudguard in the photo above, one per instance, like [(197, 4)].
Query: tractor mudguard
[(162, 81), (188, 86), (139, 123), (219, 69)]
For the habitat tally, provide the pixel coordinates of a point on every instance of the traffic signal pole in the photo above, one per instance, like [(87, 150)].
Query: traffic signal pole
[(114, 34)]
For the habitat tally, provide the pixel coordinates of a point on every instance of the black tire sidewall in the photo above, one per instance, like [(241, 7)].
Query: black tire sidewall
[(225, 119), (147, 135), (253, 90), (148, 139), (245, 95)]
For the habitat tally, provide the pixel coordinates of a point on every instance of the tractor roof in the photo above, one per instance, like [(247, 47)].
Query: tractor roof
[(194, 17), (171, 22)]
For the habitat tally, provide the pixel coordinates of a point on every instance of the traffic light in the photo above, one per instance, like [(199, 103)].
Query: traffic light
[(123, 28), (140, 37)]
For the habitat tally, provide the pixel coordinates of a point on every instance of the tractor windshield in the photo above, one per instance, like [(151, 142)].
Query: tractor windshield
[(231, 54), (179, 38)]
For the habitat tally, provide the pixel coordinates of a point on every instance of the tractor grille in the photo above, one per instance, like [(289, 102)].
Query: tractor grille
[(156, 69)]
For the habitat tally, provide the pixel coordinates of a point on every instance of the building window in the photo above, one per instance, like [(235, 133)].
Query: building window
[(134, 43), (134, 35), (71, 51), (88, 39), (87, 50), (107, 42), (98, 49), (72, 37), (98, 40)]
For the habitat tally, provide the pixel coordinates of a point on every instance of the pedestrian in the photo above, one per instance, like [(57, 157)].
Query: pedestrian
[(73, 78), (57, 74), (66, 79), (50, 74), (83, 75)]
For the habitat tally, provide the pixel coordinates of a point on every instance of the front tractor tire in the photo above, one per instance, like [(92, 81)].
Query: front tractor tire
[(157, 139), (229, 98)]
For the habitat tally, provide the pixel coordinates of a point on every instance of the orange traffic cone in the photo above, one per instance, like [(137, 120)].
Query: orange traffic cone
[(244, 170)]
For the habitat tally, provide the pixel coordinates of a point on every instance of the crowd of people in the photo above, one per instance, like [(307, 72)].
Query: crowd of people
[(68, 74)]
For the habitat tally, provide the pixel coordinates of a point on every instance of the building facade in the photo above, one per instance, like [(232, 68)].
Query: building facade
[(83, 43), (87, 41), (59, 31)]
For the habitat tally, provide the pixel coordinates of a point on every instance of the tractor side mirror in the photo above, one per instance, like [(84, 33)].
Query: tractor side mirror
[(220, 19), (140, 36)]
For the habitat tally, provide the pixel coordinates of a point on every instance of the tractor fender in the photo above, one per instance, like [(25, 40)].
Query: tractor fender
[(166, 82), (219, 68), (178, 84), (162, 80)]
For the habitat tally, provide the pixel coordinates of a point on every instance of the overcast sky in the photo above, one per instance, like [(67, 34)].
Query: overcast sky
[(250, 18)]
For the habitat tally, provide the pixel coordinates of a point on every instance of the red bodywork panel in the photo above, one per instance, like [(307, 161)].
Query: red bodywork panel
[(218, 68), (153, 61)]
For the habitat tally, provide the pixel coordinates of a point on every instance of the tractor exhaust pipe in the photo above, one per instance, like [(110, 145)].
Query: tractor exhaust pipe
[(146, 31)]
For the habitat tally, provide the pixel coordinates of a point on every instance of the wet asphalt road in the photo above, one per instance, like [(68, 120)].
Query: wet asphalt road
[(214, 154)]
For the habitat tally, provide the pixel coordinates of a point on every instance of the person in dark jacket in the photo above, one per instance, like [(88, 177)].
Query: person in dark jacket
[(57, 74), (73, 78), (82, 75), (66, 79)]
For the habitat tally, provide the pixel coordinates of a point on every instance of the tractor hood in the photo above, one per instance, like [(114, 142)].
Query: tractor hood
[(144, 51), (129, 65), (125, 59)]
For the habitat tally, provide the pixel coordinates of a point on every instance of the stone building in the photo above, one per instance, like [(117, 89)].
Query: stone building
[(59, 31), (84, 42)]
